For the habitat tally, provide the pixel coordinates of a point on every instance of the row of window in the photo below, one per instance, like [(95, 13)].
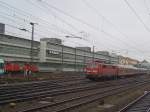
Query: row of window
[(17, 50), (49, 53)]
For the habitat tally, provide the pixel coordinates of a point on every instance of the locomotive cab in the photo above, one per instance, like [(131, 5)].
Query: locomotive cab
[(92, 70), (97, 70)]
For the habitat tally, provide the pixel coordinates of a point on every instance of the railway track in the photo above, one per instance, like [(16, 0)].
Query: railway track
[(72, 96), (141, 104), (41, 82), (59, 90), (84, 98), (5, 89), (33, 92)]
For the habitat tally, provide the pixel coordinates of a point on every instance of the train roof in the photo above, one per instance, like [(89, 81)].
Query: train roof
[(127, 66), (120, 66)]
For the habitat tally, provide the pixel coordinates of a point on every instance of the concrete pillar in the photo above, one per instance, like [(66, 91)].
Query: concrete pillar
[(43, 46)]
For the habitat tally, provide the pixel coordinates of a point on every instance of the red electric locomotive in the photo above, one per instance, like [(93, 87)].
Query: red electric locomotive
[(14, 68), (97, 70)]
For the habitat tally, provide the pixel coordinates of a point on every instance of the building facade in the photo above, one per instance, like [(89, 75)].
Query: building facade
[(127, 61), (48, 55), (143, 64)]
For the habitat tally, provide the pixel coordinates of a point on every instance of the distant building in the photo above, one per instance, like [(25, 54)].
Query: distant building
[(52, 40), (131, 61), (103, 52), (113, 58), (122, 60), (143, 64), (84, 48), (127, 61), (2, 28)]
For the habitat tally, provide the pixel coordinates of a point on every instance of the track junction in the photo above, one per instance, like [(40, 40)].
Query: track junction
[(65, 95)]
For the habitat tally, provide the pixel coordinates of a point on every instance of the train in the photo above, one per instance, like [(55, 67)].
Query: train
[(97, 70), (15, 68)]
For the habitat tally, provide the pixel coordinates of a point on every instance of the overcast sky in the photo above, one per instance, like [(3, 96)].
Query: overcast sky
[(107, 24)]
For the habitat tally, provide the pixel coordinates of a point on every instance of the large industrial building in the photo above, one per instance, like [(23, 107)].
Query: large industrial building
[(49, 53)]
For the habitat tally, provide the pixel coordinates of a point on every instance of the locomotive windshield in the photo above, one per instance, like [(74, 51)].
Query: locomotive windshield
[(92, 65)]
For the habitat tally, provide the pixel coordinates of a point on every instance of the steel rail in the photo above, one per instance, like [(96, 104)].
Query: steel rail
[(30, 95), (140, 100), (95, 96)]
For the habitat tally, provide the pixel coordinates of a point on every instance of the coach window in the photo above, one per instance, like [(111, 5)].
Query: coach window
[(113, 67), (94, 65)]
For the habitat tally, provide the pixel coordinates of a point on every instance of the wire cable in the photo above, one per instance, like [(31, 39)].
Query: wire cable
[(137, 16)]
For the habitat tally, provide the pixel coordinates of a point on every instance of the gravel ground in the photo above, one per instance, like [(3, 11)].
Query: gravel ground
[(116, 102)]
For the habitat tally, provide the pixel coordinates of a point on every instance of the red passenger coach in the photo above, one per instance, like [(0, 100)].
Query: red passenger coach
[(97, 70), (14, 68)]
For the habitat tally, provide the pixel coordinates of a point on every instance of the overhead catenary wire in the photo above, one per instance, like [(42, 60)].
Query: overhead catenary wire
[(60, 19), (22, 29), (137, 16), (55, 14), (105, 19), (34, 16), (21, 25), (20, 35), (27, 21), (37, 34), (48, 10), (110, 35), (56, 26), (52, 13), (19, 28), (95, 28), (68, 15), (102, 30), (147, 7)]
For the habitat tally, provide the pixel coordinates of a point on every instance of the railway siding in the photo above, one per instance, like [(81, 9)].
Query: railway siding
[(141, 104)]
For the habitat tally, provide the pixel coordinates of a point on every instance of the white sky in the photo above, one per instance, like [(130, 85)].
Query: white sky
[(127, 35)]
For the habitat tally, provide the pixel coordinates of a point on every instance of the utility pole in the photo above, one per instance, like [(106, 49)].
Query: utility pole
[(93, 53), (32, 43), (62, 57), (75, 59), (84, 61)]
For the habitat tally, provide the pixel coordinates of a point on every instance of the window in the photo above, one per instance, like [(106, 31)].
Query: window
[(113, 67)]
